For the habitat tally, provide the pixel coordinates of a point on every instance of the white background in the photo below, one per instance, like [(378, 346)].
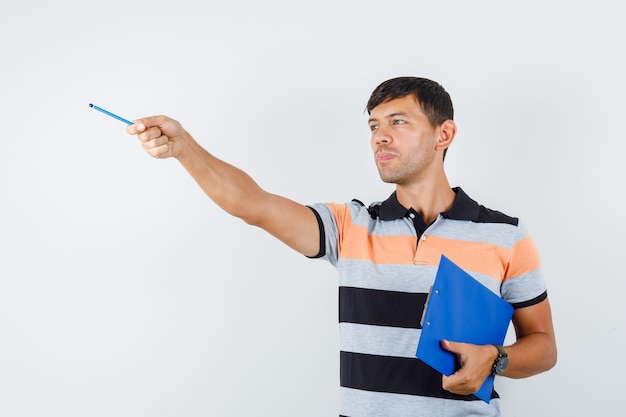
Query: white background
[(124, 291)]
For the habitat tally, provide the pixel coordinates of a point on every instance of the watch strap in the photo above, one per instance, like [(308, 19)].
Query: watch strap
[(501, 351), (501, 354)]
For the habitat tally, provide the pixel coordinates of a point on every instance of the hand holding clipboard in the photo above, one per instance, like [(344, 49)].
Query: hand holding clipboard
[(461, 309)]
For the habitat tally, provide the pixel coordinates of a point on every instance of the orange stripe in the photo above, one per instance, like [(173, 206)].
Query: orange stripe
[(480, 257), (525, 258), (341, 212), (484, 258), (357, 244)]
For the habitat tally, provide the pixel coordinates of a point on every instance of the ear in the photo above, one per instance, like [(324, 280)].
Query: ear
[(447, 132)]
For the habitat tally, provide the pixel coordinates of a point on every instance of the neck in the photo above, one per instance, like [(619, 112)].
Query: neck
[(427, 198)]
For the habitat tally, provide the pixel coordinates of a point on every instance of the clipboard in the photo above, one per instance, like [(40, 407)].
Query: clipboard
[(460, 309)]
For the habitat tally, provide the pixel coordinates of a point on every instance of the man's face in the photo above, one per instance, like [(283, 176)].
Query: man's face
[(403, 141)]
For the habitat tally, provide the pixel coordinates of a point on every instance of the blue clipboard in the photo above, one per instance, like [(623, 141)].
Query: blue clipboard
[(461, 309)]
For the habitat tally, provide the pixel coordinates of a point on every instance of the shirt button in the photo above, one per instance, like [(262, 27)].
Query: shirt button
[(412, 215)]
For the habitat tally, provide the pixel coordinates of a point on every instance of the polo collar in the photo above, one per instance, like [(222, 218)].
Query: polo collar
[(463, 208)]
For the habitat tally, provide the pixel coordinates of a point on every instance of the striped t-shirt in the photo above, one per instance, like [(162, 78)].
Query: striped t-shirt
[(387, 259)]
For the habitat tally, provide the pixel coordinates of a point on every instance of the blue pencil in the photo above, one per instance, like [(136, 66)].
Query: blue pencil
[(108, 113)]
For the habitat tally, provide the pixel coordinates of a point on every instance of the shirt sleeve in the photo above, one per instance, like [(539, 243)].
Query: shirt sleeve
[(327, 217), (524, 283)]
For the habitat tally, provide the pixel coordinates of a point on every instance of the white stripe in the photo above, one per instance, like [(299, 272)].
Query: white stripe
[(500, 234), (524, 287), (378, 340), (388, 277)]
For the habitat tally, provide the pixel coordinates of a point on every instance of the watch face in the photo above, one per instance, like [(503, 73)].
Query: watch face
[(501, 364)]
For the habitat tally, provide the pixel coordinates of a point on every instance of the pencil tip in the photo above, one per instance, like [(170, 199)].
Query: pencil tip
[(90, 105)]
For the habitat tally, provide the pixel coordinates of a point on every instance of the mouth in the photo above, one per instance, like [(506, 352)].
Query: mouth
[(384, 156)]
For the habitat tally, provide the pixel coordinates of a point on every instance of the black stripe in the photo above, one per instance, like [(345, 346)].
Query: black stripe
[(532, 302), (394, 375), (381, 308), (492, 216), (320, 223)]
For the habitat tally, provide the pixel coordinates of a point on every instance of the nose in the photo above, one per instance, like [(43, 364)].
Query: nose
[(382, 137)]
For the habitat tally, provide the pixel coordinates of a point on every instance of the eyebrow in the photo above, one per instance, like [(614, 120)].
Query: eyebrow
[(389, 116)]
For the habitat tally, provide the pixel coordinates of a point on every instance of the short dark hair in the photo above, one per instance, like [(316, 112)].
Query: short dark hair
[(432, 97)]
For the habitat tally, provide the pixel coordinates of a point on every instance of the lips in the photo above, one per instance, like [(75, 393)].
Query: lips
[(384, 156)]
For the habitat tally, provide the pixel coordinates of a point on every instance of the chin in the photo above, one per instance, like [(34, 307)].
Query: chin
[(389, 179)]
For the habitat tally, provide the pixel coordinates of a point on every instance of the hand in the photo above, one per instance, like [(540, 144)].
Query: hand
[(476, 363), (160, 136)]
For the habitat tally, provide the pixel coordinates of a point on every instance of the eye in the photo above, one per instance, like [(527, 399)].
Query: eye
[(397, 122), (373, 127)]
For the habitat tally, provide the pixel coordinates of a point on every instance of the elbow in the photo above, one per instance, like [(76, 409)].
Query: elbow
[(551, 355), (250, 218), (551, 358), (548, 359)]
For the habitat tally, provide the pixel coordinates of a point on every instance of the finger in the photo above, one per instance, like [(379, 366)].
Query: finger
[(155, 142), (456, 384), (161, 151), (149, 134), (449, 383), (144, 123), (152, 121), (169, 127), (462, 382)]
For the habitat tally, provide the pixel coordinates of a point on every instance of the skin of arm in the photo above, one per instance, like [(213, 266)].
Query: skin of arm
[(533, 352), (229, 187)]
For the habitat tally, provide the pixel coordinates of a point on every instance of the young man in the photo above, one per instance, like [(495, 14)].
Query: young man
[(387, 256)]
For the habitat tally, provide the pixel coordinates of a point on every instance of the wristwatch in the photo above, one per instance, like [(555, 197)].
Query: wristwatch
[(501, 362)]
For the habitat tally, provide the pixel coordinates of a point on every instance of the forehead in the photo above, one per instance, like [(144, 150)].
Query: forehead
[(407, 104)]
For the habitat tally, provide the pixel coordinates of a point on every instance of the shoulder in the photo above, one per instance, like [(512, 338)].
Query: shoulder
[(487, 215), (466, 208), (341, 211)]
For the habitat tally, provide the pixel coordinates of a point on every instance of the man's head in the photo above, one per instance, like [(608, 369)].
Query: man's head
[(432, 97), (411, 121)]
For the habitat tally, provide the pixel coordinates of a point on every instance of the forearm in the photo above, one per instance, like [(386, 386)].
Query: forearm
[(535, 349), (229, 187), (531, 355)]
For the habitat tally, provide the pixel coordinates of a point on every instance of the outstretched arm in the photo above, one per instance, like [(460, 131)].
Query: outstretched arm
[(229, 187)]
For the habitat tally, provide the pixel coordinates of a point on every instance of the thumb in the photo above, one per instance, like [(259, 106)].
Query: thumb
[(450, 346), (137, 127), (169, 127)]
